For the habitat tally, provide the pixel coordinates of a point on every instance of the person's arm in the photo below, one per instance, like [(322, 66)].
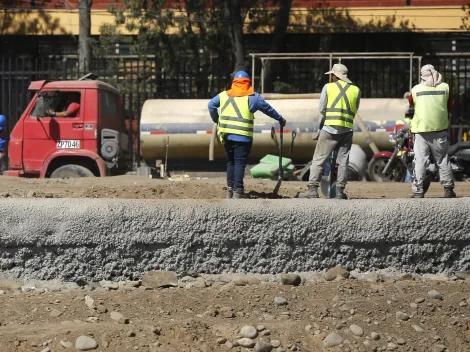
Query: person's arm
[(258, 103), (410, 100), (213, 105), (323, 101), (72, 109), (358, 100)]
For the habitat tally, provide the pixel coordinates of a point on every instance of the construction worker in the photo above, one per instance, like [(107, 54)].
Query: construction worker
[(235, 127), (339, 103), (432, 101)]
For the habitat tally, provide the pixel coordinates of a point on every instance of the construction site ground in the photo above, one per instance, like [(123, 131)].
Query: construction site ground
[(181, 187)]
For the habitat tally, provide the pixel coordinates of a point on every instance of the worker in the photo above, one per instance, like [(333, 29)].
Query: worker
[(432, 102), (3, 140), (73, 107), (339, 103), (236, 125)]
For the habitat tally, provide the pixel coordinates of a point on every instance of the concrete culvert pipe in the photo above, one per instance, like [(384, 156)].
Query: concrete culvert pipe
[(357, 163)]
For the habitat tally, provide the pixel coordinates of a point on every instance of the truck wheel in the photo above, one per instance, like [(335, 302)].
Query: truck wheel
[(67, 171)]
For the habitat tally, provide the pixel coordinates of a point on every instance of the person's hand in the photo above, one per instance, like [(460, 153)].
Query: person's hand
[(282, 122)]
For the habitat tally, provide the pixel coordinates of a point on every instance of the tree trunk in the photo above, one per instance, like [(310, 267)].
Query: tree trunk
[(234, 20), (84, 47), (280, 29)]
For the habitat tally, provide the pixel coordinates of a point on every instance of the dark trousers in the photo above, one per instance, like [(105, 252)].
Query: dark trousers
[(237, 154)]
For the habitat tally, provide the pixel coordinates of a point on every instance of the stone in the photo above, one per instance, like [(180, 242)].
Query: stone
[(156, 330), (333, 273), (375, 336), (90, 302), (228, 345), (240, 280), (434, 294), (249, 331), (417, 328), (160, 279), (47, 349), (31, 194), (419, 300), (275, 343), (401, 341), (439, 348), (118, 317), (246, 342), (10, 286), (463, 274), (291, 279), (130, 334), (200, 283), (332, 340), (101, 309), (280, 301), (55, 313), (260, 328), (110, 285), (85, 343), (263, 346), (413, 305), (66, 344), (402, 316), (221, 340), (391, 346), (356, 330)]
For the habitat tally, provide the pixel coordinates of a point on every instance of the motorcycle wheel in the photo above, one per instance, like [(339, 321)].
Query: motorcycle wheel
[(396, 171)]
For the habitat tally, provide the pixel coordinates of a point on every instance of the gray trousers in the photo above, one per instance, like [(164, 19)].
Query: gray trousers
[(326, 144), (437, 145)]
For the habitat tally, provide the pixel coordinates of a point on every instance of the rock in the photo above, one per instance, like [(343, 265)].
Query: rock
[(101, 309), (85, 343), (66, 344), (227, 312), (275, 343), (332, 273), (110, 285), (375, 336), (391, 346), (332, 340), (229, 345), (402, 316), (26, 289), (463, 274), (291, 279), (434, 294), (401, 341), (260, 328), (280, 301), (221, 340), (10, 286), (417, 328), (263, 346), (31, 194), (413, 306), (90, 302), (104, 341), (419, 300), (55, 313), (200, 283), (47, 349), (156, 330), (160, 279), (48, 195), (130, 334), (439, 348), (118, 317), (249, 331), (356, 330), (246, 342)]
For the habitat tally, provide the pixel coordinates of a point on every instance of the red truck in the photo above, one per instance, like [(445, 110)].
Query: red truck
[(94, 141)]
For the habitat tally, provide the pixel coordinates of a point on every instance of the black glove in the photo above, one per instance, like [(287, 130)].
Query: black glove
[(282, 122)]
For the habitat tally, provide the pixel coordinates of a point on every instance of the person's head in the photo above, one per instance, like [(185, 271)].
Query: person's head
[(339, 72), (241, 74), (430, 76)]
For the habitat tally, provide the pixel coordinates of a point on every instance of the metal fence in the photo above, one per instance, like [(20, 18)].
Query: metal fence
[(140, 79)]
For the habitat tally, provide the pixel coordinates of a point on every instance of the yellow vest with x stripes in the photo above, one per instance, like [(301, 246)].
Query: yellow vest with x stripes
[(235, 116), (341, 106)]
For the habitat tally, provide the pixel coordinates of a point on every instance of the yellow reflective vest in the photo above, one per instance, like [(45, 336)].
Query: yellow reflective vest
[(430, 108), (235, 116), (341, 106)]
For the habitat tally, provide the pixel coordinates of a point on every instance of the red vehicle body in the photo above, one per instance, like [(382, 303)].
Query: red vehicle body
[(92, 143)]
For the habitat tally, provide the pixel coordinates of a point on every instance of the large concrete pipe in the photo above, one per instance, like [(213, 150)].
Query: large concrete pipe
[(357, 163), (189, 127)]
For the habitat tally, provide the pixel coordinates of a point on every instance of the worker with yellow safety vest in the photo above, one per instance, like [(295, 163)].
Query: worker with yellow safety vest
[(339, 102), (432, 102), (236, 126)]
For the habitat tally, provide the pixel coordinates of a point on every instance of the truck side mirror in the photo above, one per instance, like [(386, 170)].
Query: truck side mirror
[(39, 110)]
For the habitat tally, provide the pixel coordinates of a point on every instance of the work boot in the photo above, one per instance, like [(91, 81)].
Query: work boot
[(340, 193), (418, 195), (449, 193), (239, 193), (229, 192), (311, 193)]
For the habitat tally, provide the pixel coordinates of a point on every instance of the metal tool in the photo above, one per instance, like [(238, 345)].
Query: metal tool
[(294, 134), (328, 180), (281, 171)]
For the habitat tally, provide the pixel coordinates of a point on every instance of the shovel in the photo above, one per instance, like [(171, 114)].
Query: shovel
[(281, 171)]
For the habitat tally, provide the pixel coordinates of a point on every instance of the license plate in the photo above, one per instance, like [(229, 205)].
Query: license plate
[(69, 144)]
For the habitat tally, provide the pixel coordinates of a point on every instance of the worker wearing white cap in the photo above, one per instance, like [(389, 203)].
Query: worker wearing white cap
[(432, 101), (339, 102)]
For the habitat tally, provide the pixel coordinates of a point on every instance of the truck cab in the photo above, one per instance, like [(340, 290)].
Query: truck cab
[(89, 140)]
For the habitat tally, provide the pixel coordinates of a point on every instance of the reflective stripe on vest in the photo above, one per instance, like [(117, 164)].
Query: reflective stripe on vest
[(430, 108), (235, 116), (341, 104)]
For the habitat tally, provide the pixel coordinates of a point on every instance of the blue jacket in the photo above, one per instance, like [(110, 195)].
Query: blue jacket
[(3, 141), (255, 103)]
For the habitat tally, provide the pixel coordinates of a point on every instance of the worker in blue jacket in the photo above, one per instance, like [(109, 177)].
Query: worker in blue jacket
[(236, 126)]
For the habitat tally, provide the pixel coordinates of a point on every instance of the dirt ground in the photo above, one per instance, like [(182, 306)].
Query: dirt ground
[(139, 187), (210, 318)]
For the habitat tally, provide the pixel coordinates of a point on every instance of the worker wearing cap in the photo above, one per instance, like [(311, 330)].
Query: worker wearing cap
[(3, 140), (339, 103), (432, 102), (236, 125)]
